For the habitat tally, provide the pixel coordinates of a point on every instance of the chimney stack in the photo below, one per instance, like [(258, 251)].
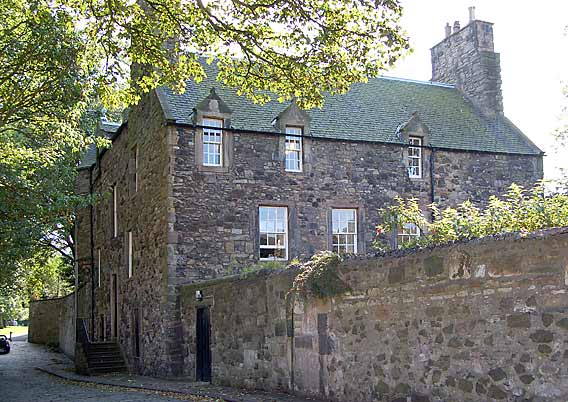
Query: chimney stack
[(467, 59), (456, 26), (448, 29), (471, 14)]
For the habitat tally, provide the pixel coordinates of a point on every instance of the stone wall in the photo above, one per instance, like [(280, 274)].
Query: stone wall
[(214, 229), (467, 59), (145, 296), (478, 321), (67, 325), (43, 324), (52, 322)]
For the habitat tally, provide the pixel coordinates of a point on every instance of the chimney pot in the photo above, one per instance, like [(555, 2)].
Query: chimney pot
[(471, 13), (456, 26), (448, 29)]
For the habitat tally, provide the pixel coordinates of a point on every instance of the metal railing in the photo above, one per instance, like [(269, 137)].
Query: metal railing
[(83, 326)]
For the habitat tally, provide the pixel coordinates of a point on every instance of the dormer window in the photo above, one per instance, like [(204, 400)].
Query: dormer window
[(415, 157), (212, 142), (293, 149)]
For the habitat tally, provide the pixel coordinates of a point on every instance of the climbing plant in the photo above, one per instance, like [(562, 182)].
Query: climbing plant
[(519, 210), (320, 276)]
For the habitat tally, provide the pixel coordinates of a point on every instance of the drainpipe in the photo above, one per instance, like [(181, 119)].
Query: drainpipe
[(92, 255), (432, 198)]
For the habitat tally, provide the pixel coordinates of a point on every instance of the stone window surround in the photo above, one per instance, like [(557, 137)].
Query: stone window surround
[(292, 220), (287, 233), (360, 224), (293, 233), (420, 158), (135, 167), (114, 206), (293, 116), (129, 254), (355, 233), (227, 151), (415, 127), (137, 311), (300, 151), (423, 161), (215, 138)]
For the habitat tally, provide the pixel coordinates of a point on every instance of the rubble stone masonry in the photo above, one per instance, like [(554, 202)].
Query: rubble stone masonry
[(480, 321), (215, 230)]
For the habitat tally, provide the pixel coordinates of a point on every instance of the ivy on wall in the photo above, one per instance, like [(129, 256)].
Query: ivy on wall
[(320, 276)]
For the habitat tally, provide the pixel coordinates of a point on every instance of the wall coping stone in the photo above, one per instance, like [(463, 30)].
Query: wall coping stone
[(393, 254)]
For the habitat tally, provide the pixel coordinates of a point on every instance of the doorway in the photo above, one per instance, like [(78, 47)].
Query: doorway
[(203, 335)]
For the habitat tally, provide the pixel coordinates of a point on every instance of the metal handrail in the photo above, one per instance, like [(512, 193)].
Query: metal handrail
[(83, 333)]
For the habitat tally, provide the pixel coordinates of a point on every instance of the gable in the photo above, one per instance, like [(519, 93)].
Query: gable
[(371, 111)]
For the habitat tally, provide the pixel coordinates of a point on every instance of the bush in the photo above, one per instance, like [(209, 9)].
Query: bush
[(320, 276), (519, 210)]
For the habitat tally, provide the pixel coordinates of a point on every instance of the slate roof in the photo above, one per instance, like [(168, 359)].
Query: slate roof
[(371, 111), (105, 128)]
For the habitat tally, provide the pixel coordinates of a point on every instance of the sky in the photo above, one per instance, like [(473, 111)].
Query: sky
[(532, 39)]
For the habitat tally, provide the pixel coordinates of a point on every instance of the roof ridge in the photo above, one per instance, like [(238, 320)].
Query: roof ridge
[(432, 83)]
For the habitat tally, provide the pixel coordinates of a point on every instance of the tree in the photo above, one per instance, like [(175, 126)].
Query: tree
[(58, 57), (43, 86), (293, 48)]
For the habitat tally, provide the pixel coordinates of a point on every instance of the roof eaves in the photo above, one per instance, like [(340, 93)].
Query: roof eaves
[(169, 115)]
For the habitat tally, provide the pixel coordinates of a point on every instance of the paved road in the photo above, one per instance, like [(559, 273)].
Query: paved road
[(21, 382)]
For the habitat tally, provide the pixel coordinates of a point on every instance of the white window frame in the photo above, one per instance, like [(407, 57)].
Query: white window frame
[(415, 154), (129, 237), (274, 233), (115, 210), (210, 136), (294, 146), (406, 233), (337, 246), (99, 267)]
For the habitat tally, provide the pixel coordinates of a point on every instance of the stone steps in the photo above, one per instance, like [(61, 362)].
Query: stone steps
[(105, 357)]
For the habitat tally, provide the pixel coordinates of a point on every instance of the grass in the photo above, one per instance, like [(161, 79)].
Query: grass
[(16, 331)]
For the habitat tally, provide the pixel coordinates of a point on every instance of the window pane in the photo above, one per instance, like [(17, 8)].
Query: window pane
[(213, 122), (294, 130), (293, 150), (351, 226), (266, 253), (273, 232), (350, 239), (212, 142), (344, 230), (280, 253)]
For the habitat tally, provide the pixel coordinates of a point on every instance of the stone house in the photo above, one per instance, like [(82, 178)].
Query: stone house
[(200, 185)]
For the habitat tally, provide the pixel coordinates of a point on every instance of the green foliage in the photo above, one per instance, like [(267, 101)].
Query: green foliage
[(44, 275), (59, 58), (320, 276), (519, 210), (299, 49)]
